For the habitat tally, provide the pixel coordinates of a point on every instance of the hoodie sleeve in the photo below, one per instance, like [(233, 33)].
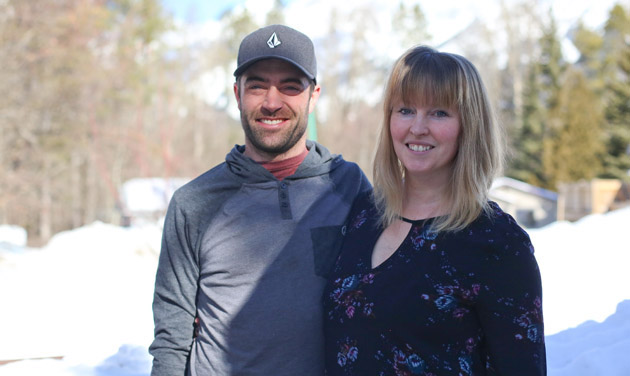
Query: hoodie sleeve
[(353, 177), (174, 301), (365, 185)]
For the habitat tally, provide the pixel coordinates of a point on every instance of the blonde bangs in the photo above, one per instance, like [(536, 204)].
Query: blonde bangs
[(427, 80)]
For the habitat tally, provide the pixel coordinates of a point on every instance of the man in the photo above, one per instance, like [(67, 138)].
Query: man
[(246, 246)]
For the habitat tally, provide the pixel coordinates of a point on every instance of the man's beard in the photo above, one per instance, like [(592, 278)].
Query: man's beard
[(289, 138)]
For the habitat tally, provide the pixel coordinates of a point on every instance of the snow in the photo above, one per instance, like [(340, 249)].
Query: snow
[(86, 297), (149, 194), (12, 236), (593, 348), (584, 267)]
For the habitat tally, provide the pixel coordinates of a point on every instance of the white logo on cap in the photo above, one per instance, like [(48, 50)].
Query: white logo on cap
[(273, 41)]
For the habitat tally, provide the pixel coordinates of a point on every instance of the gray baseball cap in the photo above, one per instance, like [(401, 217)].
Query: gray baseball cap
[(277, 42)]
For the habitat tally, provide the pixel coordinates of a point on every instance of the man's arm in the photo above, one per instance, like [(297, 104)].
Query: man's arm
[(174, 301)]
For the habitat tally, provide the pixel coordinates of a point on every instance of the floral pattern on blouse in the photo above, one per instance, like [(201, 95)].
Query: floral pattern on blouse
[(465, 303), (348, 296)]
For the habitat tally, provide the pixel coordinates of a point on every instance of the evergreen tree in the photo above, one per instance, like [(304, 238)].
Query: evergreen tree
[(573, 152), (617, 158), (551, 63), (590, 45), (527, 165), (617, 39), (540, 102)]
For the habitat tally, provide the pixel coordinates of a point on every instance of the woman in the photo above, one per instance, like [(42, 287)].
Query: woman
[(434, 279)]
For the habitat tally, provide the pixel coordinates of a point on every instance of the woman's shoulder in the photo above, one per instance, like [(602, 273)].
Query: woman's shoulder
[(498, 230), (364, 202), (363, 212), (365, 198), (493, 218)]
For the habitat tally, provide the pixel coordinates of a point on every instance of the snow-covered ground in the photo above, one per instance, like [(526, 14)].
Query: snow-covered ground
[(86, 297)]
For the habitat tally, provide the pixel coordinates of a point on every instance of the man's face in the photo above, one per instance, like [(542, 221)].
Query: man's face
[(275, 99)]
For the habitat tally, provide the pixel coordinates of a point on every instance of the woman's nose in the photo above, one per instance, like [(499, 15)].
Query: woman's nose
[(419, 126)]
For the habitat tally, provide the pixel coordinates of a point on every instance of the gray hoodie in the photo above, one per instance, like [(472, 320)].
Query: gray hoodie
[(248, 255)]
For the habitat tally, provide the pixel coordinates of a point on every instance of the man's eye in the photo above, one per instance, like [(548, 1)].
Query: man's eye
[(292, 89)]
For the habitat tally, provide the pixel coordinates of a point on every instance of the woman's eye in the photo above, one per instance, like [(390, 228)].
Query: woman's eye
[(405, 111), (440, 113)]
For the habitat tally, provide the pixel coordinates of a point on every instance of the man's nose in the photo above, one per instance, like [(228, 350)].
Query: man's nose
[(273, 100)]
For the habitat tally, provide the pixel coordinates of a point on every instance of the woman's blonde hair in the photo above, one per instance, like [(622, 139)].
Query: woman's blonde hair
[(424, 76)]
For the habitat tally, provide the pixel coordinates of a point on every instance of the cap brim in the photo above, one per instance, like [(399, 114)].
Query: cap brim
[(243, 67)]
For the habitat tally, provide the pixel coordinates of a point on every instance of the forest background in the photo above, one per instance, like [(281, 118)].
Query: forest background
[(96, 92)]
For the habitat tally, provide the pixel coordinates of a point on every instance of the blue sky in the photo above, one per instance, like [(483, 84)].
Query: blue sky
[(194, 11), (198, 11)]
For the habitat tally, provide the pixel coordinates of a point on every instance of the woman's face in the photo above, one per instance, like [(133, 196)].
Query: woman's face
[(425, 139)]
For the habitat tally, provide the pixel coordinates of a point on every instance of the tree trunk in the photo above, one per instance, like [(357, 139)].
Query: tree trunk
[(45, 213), (75, 189)]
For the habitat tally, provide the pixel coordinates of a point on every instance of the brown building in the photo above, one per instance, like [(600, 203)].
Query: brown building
[(579, 199)]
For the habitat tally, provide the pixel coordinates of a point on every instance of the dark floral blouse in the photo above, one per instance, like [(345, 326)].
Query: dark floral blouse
[(464, 303)]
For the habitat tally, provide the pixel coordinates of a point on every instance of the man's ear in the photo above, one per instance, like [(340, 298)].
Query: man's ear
[(314, 97), (237, 95)]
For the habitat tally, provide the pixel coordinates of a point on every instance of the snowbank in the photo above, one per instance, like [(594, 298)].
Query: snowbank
[(81, 297), (584, 267), (12, 236), (593, 348)]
